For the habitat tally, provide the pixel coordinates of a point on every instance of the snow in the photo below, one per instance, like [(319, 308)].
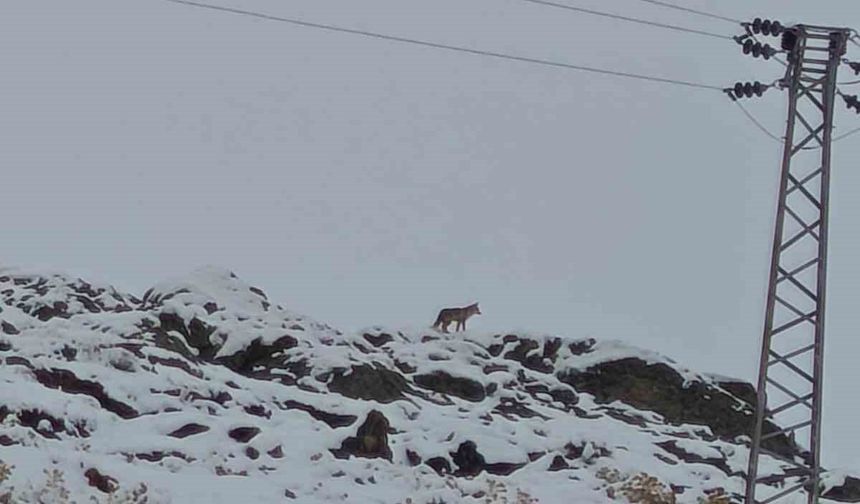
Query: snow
[(117, 349)]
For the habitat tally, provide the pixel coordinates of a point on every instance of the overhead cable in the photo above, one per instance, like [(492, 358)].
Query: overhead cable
[(691, 11), (628, 19), (436, 45)]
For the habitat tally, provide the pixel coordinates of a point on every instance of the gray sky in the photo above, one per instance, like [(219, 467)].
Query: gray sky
[(366, 182)]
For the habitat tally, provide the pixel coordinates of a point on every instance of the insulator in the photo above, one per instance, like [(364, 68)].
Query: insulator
[(746, 89), (776, 28), (854, 66), (756, 25), (748, 45), (789, 40), (767, 51), (756, 50), (765, 26), (852, 102)]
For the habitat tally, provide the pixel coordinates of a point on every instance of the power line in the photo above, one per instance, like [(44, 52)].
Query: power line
[(627, 18), (692, 11), (477, 52), (447, 47), (846, 135), (755, 121)]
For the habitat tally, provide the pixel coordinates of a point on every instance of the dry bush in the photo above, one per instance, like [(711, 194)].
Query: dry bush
[(715, 496), (5, 472), (53, 490), (640, 488)]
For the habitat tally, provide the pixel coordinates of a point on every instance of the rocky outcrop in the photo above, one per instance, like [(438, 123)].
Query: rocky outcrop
[(662, 389), (849, 491), (371, 440), (214, 375), (372, 383), (445, 383)]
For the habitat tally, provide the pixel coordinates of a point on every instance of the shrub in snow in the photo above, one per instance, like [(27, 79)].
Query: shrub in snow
[(640, 488), (53, 490), (5, 495)]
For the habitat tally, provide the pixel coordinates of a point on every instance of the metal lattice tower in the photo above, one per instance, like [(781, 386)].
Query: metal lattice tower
[(792, 358)]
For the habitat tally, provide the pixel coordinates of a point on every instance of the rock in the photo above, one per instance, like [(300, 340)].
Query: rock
[(69, 383), (258, 410), (511, 407), (244, 434), (444, 383), (378, 340), (414, 458), (257, 354), (525, 355), (369, 383), (47, 312), (503, 468), (188, 430), (440, 465), (8, 328), (694, 458), (101, 481), (558, 464), (196, 334), (469, 461), (158, 456), (582, 347), (661, 389), (371, 440), (332, 419), (849, 491)]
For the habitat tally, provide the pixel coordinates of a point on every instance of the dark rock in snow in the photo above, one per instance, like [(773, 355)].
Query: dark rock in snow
[(188, 430), (558, 464), (469, 461), (371, 440), (661, 389), (102, 482), (257, 354), (444, 383), (71, 384), (849, 491), (440, 465), (378, 340), (332, 419), (244, 434), (413, 458), (8, 328), (369, 383)]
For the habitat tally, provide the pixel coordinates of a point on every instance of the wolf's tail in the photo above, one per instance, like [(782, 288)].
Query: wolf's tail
[(438, 320)]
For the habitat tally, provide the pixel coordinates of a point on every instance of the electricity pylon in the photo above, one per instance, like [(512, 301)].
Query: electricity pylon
[(785, 462)]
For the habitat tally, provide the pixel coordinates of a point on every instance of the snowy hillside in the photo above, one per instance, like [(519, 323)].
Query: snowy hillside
[(204, 390)]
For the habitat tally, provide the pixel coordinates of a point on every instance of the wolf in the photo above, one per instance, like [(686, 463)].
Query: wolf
[(459, 315)]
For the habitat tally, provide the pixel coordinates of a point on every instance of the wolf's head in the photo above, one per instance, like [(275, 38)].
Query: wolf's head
[(473, 309)]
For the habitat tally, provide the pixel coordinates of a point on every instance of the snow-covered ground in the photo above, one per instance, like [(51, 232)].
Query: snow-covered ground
[(203, 390)]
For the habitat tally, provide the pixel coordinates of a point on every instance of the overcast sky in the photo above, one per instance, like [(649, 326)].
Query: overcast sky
[(367, 182)]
